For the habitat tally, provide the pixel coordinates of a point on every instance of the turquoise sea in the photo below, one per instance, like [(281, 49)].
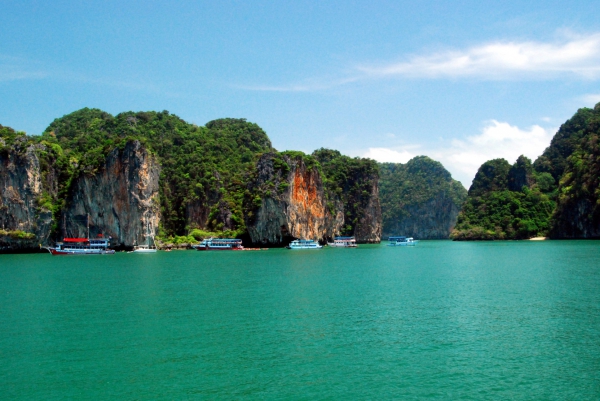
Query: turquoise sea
[(441, 321)]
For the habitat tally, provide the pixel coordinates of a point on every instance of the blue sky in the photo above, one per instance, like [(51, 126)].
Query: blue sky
[(460, 81)]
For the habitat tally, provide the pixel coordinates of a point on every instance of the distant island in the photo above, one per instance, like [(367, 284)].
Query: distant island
[(556, 196), (141, 175)]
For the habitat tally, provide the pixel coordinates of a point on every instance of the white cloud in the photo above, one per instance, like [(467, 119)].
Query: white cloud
[(497, 140), (464, 157), (501, 60), (571, 55), (385, 155)]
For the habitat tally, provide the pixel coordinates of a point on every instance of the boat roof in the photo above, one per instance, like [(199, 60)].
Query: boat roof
[(344, 238), (224, 240), (396, 238), (75, 240)]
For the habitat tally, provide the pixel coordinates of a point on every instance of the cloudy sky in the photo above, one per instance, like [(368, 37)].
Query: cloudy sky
[(462, 82)]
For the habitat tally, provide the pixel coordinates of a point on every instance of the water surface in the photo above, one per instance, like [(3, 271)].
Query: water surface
[(443, 320)]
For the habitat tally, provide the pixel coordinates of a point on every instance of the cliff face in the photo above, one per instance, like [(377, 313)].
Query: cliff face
[(576, 218), (577, 213), (213, 211), (288, 201), (121, 199), (136, 171), (433, 219), (20, 191), (420, 199), (287, 198), (369, 224)]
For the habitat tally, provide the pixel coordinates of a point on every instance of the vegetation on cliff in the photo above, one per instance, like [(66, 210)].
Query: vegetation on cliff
[(205, 171), (558, 196), (405, 189), (566, 141), (200, 165), (577, 214), (8, 136), (505, 202), (349, 180)]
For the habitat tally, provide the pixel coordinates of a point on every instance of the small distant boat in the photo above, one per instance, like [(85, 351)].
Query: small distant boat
[(143, 249), (219, 244), (146, 248), (304, 244), (343, 242), (402, 241)]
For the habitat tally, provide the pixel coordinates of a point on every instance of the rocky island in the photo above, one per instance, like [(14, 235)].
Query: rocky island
[(152, 175), (557, 196)]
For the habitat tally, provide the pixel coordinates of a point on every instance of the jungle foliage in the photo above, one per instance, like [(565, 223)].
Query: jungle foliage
[(579, 185), (506, 202), (348, 180), (202, 168), (524, 200)]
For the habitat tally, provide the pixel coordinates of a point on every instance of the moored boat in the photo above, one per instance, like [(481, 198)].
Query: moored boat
[(402, 241), (82, 246), (343, 242), (143, 249), (304, 244), (219, 244)]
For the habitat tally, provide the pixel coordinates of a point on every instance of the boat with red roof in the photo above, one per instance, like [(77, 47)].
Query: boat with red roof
[(82, 246)]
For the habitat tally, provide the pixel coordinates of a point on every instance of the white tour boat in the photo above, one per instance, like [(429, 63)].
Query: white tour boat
[(402, 241), (82, 246), (219, 244), (304, 244), (343, 242), (143, 249)]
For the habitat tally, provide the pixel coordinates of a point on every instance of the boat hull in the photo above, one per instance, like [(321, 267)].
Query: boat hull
[(60, 252), (412, 243), (212, 248)]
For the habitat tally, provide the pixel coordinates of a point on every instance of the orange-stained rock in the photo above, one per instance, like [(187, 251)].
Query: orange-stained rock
[(301, 209)]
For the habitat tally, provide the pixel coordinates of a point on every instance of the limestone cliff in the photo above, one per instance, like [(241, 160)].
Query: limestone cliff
[(433, 219), (576, 218), (286, 200), (121, 198), (352, 191), (138, 171), (577, 213), (419, 199), (369, 222), (20, 192)]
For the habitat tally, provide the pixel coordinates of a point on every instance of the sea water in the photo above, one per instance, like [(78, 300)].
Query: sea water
[(442, 320)]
